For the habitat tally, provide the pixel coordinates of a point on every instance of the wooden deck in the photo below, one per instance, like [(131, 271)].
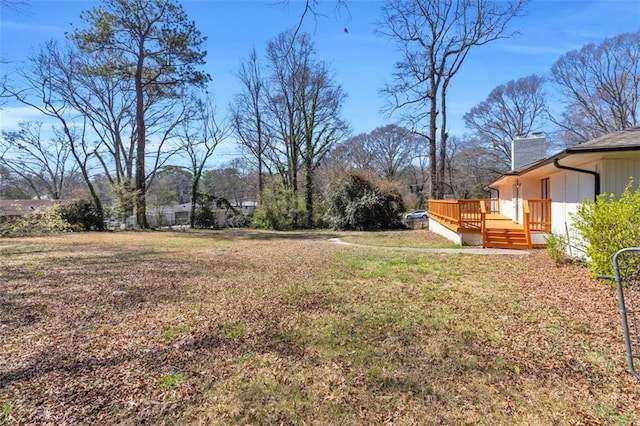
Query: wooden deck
[(498, 221), (483, 217)]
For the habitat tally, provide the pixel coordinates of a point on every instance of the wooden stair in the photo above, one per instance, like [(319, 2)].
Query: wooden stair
[(507, 238)]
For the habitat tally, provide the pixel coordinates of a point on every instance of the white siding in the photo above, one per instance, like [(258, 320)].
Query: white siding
[(507, 194), (568, 190), (616, 173)]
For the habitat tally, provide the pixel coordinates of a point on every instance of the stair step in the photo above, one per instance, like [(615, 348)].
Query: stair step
[(507, 238), (507, 246)]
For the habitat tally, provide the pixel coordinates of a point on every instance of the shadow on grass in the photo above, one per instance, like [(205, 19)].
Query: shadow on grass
[(127, 385), (119, 282)]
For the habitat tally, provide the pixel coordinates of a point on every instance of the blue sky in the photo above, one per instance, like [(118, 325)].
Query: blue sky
[(361, 60)]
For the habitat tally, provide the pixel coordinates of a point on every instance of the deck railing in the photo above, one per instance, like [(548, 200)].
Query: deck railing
[(525, 219), (483, 216), (462, 214), (539, 215), (468, 215)]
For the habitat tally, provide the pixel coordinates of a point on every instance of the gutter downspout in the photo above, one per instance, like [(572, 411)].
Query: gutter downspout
[(596, 176), (491, 188)]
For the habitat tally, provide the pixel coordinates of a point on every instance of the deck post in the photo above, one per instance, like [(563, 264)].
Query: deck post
[(526, 212), (483, 222)]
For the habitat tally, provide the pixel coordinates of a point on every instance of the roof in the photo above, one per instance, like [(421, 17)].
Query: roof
[(624, 140), (19, 207)]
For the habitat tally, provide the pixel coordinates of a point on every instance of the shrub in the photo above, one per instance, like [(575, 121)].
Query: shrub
[(608, 225), (280, 209), (81, 215), (205, 216), (557, 249), (357, 203), (123, 204), (44, 220)]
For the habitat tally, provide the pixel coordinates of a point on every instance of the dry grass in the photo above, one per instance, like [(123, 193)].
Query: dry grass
[(247, 327)]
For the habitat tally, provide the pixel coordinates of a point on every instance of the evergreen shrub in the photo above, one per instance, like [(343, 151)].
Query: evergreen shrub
[(358, 203)]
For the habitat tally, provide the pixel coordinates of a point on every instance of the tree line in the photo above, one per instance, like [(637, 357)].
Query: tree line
[(133, 112)]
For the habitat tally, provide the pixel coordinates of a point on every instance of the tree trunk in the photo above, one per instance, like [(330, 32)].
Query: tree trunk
[(92, 190), (308, 187), (433, 160), (260, 179), (194, 200), (443, 141), (141, 208)]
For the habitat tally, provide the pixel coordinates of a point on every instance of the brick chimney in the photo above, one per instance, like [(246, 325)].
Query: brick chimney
[(527, 149)]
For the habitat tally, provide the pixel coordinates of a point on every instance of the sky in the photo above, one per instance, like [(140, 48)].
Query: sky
[(360, 59)]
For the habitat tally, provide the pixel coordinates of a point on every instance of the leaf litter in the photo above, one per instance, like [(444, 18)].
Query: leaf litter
[(252, 328)]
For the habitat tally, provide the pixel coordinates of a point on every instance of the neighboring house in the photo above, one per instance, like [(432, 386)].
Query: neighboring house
[(168, 215), (179, 214), (539, 195), (12, 209)]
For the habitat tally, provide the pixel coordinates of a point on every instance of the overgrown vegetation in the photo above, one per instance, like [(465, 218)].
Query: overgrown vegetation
[(608, 225), (556, 246), (71, 215), (44, 220), (81, 215), (261, 327), (281, 209), (357, 203)]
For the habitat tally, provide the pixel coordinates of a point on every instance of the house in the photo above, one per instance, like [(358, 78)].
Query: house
[(167, 215), (12, 209), (179, 214), (540, 193)]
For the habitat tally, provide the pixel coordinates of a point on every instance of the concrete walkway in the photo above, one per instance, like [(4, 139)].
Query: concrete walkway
[(470, 250)]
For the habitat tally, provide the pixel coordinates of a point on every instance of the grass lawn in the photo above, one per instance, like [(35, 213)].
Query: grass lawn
[(417, 238), (263, 328)]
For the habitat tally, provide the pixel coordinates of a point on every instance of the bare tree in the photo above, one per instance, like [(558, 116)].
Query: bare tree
[(232, 181), (104, 103), (321, 100), (601, 85), (311, 8), (470, 167), (286, 62), (304, 109), (42, 90), (355, 153), (248, 115), (388, 151), (96, 113), (200, 135), (435, 37), (518, 107), (43, 163)]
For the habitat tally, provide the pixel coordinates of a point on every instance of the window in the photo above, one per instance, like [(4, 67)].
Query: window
[(545, 191)]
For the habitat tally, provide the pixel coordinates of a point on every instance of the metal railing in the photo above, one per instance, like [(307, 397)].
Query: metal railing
[(626, 264)]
